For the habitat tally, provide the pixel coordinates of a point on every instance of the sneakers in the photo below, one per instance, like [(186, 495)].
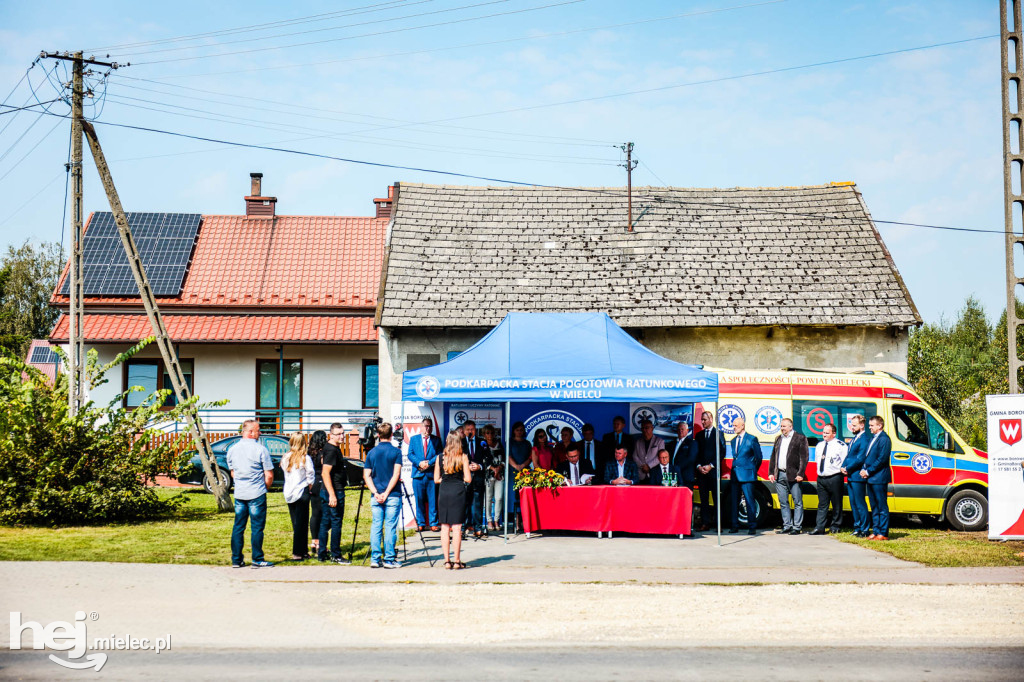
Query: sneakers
[(238, 565), (341, 561), (393, 564), (262, 564), (374, 563)]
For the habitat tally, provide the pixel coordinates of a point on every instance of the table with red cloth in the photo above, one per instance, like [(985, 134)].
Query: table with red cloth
[(659, 510)]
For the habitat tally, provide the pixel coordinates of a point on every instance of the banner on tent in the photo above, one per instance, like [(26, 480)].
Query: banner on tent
[(554, 417), (458, 414), (1005, 466), (664, 416), (410, 415), (611, 388)]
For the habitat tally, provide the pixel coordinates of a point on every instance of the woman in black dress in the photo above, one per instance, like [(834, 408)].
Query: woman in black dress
[(451, 471)]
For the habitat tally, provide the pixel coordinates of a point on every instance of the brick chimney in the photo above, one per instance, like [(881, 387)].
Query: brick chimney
[(257, 205), (384, 204)]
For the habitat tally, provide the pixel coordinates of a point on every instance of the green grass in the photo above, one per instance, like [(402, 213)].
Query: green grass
[(949, 548), (195, 534)]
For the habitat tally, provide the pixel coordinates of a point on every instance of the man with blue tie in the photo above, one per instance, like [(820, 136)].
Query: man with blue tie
[(746, 460), (424, 448), (877, 475), (857, 488)]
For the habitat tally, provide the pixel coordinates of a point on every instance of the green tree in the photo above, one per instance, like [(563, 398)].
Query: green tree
[(93, 467), (28, 276)]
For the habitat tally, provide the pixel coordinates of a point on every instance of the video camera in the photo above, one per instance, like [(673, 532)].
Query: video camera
[(369, 438)]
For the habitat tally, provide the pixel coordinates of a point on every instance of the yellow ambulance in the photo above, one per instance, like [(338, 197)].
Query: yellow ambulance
[(935, 474)]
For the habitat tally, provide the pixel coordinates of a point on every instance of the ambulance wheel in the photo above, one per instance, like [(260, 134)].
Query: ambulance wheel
[(761, 501), (967, 510)]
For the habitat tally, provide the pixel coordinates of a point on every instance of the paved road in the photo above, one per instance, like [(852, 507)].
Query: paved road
[(565, 663)]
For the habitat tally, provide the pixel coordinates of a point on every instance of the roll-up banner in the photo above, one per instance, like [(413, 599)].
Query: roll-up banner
[(1005, 467)]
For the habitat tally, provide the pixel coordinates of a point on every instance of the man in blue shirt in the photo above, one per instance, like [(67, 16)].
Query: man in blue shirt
[(253, 473), (382, 473)]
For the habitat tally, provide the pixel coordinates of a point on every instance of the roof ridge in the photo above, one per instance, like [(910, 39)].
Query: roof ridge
[(828, 185)]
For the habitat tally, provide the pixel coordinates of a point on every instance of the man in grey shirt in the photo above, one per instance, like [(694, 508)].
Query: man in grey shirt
[(253, 474)]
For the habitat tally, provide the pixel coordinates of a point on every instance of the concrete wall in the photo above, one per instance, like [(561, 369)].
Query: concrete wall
[(849, 349), (331, 375)]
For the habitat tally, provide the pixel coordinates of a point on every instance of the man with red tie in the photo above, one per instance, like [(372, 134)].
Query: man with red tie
[(423, 451)]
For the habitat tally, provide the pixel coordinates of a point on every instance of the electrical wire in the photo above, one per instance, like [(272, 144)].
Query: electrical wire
[(34, 147), (12, 110), (521, 183), (263, 27), (488, 43), (320, 30), (363, 35), (64, 214)]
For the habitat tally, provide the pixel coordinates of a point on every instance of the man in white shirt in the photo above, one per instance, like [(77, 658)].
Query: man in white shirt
[(828, 460), (787, 469)]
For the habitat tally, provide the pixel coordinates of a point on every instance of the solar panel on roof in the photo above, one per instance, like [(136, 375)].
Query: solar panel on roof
[(44, 355), (165, 242)]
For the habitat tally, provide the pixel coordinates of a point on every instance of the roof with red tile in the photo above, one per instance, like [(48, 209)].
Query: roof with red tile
[(285, 262), (131, 328)]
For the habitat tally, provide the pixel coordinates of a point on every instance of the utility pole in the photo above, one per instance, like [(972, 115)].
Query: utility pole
[(1013, 166), (218, 485), (76, 274), (629, 166)]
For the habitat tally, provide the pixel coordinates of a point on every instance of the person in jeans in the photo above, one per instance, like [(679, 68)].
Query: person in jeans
[(381, 474), (315, 450), (298, 481), (494, 485), (332, 496), (253, 474)]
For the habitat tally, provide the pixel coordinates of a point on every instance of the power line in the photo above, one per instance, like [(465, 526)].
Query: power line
[(320, 30), (708, 81), (26, 155), (488, 43), (12, 110), (262, 27), (366, 35), (521, 183)]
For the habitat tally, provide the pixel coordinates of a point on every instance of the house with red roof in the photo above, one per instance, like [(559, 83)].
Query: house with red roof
[(273, 313)]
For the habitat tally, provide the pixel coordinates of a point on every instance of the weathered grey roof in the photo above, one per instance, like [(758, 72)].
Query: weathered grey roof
[(464, 256)]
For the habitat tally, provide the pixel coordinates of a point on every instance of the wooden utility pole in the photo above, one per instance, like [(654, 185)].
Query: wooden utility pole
[(629, 166), (163, 339), (1013, 164), (218, 485)]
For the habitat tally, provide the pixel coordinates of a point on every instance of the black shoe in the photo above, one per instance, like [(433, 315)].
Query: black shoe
[(238, 565), (341, 561), (751, 532), (836, 531), (795, 531), (734, 530), (781, 529), (817, 531)]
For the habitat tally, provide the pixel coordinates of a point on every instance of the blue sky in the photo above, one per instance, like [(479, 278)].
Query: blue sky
[(920, 132)]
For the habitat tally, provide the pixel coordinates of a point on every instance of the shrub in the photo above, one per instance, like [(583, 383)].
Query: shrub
[(58, 469)]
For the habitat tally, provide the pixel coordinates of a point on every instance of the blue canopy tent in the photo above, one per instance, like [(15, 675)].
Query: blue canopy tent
[(560, 357)]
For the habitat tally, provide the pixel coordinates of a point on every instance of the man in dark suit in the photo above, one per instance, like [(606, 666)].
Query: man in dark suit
[(857, 488), (683, 454), (664, 467), (424, 448), (617, 437), (708, 471), (479, 454), (622, 470), (575, 469), (787, 469), (746, 460), (591, 451), (877, 475)]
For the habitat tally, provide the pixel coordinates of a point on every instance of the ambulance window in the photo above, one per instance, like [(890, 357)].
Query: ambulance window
[(917, 426), (911, 425)]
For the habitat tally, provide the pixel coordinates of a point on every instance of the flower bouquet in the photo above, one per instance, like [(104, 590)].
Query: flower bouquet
[(539, 479)]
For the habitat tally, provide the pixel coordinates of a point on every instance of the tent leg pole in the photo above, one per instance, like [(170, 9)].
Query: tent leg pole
[(508, 489), (718, 472)]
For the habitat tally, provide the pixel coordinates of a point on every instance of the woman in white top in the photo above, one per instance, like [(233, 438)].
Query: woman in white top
[(299, 476)]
